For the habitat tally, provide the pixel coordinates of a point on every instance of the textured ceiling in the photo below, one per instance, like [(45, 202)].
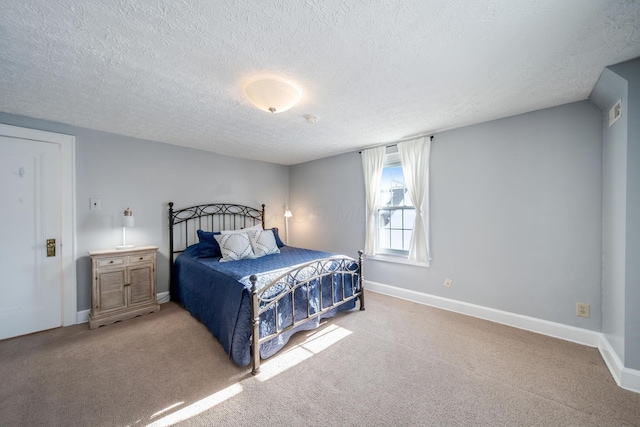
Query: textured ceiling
[(372, 71)]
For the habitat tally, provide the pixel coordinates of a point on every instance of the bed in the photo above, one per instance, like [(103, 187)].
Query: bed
[(254, 298)]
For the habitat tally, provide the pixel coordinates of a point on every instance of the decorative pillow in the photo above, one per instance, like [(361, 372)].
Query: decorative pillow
[(263, 243), (208, 246), (234, 246), (243, 230)]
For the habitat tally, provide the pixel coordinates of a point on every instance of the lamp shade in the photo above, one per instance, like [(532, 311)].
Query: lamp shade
[(127, 219), (272, 95)]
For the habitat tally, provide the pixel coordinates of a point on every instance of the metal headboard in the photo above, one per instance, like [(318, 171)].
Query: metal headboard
[(184, 224)]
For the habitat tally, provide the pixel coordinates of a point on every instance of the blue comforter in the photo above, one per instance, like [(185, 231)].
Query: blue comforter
[(218, 295)]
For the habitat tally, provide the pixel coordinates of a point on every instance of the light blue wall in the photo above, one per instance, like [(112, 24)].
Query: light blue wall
[(621, 208), (630, 71), (609, 89), (327, 203), (516, 214), (145, 176)]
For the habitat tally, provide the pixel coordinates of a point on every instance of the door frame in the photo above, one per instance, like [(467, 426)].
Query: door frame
[(67, 212)]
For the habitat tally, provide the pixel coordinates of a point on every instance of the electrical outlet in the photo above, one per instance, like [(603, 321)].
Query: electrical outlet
[(447, 283), (582, 309), (94, 204)]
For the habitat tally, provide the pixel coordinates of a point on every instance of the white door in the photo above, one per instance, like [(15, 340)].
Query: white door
[(30, 278)]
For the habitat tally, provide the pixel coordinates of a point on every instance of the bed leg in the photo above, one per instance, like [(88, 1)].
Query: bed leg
[(255, 321), (361, 279)]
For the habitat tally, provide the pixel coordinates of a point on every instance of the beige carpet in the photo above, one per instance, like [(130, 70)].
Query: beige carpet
[(396, 364)]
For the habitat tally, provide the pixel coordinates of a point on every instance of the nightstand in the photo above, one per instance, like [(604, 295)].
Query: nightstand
[(123, 284)]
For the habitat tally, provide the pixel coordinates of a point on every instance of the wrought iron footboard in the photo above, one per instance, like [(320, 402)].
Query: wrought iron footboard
[(344, 274)]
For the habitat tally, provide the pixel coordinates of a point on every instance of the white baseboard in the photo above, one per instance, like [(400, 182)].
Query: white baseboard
[(630, 379), (624, 377), (83, 316), (557, 330), (163, 297)]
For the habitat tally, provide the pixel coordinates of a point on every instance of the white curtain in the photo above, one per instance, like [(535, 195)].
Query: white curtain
[(414, 156), (372, 165)]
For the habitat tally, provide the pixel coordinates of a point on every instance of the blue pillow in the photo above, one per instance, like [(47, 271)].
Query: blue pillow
[(275, 234), (208, 246)]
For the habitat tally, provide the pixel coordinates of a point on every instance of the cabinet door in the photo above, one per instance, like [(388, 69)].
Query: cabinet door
[(111, 290), (142, 281)]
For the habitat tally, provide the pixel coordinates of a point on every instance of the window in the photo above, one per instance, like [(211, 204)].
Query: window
[(396, 183), (395, 214)]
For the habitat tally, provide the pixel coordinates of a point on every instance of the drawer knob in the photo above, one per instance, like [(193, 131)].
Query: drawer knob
[(141, 258), (110, 262)]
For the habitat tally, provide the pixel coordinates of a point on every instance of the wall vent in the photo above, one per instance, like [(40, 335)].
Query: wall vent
[(615, 112)]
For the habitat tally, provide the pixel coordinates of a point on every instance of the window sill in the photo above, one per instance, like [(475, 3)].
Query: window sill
[(397, 260)]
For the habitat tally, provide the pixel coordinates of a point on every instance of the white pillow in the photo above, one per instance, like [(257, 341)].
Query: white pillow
[(243, 230), (263, 243), (234, 246)]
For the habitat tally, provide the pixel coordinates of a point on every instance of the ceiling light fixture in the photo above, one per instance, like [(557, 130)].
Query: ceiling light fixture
[(272, 94)]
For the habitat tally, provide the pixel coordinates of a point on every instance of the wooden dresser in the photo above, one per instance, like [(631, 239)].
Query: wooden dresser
[(123, 284)]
